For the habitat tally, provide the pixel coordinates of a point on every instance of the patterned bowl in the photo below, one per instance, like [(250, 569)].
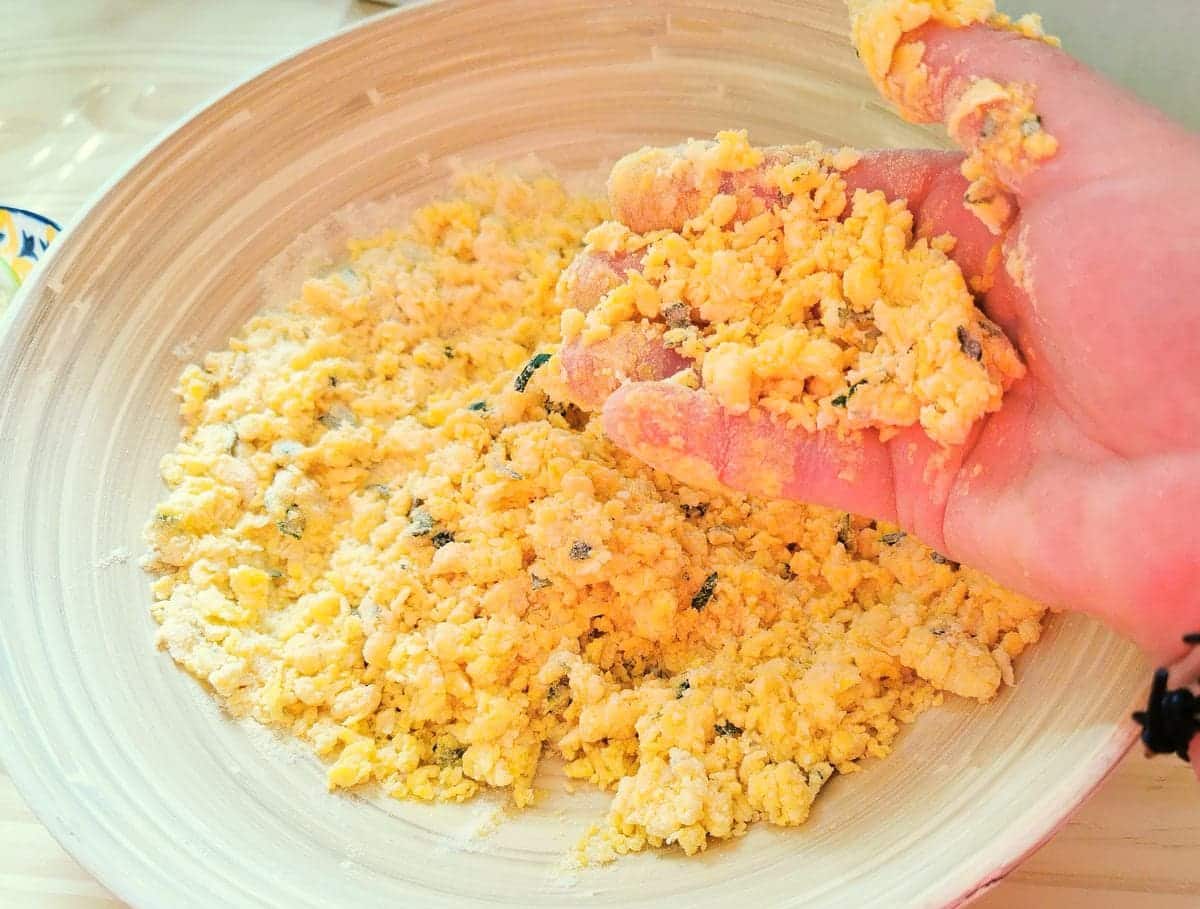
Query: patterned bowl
[(24, 236)]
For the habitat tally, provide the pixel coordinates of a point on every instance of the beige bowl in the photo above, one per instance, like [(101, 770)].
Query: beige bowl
[(171, 804)]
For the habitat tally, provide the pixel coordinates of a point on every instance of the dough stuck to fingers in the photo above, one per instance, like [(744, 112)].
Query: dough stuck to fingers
[(998, 123), (662, 188), (591, 275), (786, 293)]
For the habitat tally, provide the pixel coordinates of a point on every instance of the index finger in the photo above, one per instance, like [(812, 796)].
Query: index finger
[(1098, 129), (656, 189)]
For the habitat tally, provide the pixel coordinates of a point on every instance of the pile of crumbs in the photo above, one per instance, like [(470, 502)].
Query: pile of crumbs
[(780, 291), (388, 535)]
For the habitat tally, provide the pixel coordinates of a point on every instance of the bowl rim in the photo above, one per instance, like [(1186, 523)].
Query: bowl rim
[(1099, 770), (124, 882)]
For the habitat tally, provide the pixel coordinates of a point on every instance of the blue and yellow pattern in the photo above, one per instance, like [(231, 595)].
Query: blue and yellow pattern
[(24, 237)]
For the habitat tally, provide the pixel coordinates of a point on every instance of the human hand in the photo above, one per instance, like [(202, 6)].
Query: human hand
[(1080, 490)]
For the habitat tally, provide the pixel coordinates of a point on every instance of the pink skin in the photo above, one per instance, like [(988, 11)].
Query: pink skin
[(1082, 490)]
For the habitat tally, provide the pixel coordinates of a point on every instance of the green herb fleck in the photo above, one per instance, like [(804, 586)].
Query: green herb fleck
[(536, 583), (477, 406), (292, 524), (441, 538), (333, 381), (845, 531), (384, 492), (574, 416), (677, 314), (420, 522), (844, 398), (695, 511), (727, 728), (526, 373), (942, 560), (705, 593), (1031, 126), (580, 550), (445, 755), (682, 689), (448, 351), (274, 573), (337, 416), (891, 539), (558, 689), (969, 344)]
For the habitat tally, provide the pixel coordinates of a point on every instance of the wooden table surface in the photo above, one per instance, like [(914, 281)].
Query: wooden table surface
[(86, 84)]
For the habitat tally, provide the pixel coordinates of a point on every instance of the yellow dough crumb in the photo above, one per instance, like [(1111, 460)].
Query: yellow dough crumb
[(387, 536), (787, 294), (1007, 140)]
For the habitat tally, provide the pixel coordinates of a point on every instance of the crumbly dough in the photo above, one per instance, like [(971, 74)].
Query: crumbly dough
[(387, 535), (784, 293)]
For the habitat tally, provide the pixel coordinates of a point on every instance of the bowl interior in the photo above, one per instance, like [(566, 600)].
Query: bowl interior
[(140, 775)]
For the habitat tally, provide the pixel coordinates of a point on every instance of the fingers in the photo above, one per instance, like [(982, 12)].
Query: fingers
[(1194, 753), (635, 353), (658, 189), (1100, 130), (592, 274), (653, 188), (907, 173), (687, 434), (661, 188), (1049, 512), (928, 180), (933, 186)]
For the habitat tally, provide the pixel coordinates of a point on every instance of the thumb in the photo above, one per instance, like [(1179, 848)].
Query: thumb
[(1100, 130)]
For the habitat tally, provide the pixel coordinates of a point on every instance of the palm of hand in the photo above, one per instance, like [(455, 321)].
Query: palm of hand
[(1080, 490)]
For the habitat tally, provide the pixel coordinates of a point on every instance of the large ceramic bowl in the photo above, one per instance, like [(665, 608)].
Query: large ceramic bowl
[(172, 805)]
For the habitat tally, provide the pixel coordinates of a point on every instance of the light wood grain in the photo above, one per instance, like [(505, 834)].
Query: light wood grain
[(87, 84)]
